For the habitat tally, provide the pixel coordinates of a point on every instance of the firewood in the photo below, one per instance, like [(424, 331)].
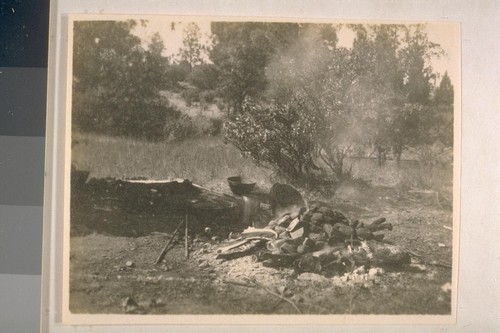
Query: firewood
[(383, 226), (278, 260), (364, 233), (248, 249), (295, 224), (380, 220)]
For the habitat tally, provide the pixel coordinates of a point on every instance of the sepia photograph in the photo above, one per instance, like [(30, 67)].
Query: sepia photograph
[(224, 166)]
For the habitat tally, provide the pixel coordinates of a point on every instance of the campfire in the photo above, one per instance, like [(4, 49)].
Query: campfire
[(317, 239)]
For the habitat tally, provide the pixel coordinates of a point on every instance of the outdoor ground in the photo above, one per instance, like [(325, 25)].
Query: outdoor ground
[(113, 249)]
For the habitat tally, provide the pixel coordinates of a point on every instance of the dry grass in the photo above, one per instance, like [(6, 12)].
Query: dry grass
[(206, 161)]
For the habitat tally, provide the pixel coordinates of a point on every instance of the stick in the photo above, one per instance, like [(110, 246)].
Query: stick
[(277, 295), (186, 236), (238, 283), (447, 228), (164, 251), (437, 264)]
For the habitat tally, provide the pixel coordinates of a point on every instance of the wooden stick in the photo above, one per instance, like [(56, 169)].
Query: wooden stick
[(238, 283), (186, 236), (164, 251), (437, 264)]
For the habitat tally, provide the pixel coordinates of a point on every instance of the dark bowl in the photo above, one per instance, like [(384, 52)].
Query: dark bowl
[(239, 188), (234, 180)]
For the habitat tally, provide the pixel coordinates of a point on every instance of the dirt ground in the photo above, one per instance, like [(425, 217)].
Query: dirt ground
[(113, 251)]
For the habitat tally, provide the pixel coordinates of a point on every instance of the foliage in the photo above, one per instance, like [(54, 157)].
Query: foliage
[(116, 83), (317, 101), (275, 135), (192, 49), (204, 76), (241, 52), (441, 120)]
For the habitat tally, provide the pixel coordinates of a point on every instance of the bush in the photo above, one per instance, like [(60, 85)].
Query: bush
[(191, 95), (207, 96), (180, 129)]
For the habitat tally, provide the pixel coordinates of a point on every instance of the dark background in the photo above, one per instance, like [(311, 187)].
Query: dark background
[(24, 30)]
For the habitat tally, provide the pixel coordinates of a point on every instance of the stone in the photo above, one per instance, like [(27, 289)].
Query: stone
[(288, 247), (129, 264), (297, 233), (317, 218), (328, 228), (326, 211), (338, 217), (203, 264), (318, 236), (284, 221), (296, 223), (346, 230), (375, 271)]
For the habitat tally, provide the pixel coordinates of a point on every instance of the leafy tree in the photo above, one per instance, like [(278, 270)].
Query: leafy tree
[(302, 105), (393, 86), (192, 50), (441, 120), (116, 83), (204, 77), (241, 52), (301, 126)]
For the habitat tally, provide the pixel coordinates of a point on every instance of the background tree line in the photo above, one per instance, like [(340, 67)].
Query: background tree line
[(292, 97)]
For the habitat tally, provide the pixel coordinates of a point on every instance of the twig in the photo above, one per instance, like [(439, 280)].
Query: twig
[(447, 228), (437, 264), (277, 295), (164, 251), (238, 283)]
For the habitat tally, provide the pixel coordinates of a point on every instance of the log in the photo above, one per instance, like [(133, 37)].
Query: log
[(378, 221), (248, 249), (378, 227)]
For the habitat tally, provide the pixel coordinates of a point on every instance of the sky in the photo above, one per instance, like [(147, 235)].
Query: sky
[(445, 34)]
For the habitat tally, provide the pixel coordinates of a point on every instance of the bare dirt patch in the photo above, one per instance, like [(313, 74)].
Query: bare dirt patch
[(113, 251)]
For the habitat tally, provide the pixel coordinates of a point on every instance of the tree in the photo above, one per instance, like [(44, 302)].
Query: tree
[(441, 121), (116, 83), (192, 49), (393, 85), (241, 52), (300, 125), (308, 102)]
